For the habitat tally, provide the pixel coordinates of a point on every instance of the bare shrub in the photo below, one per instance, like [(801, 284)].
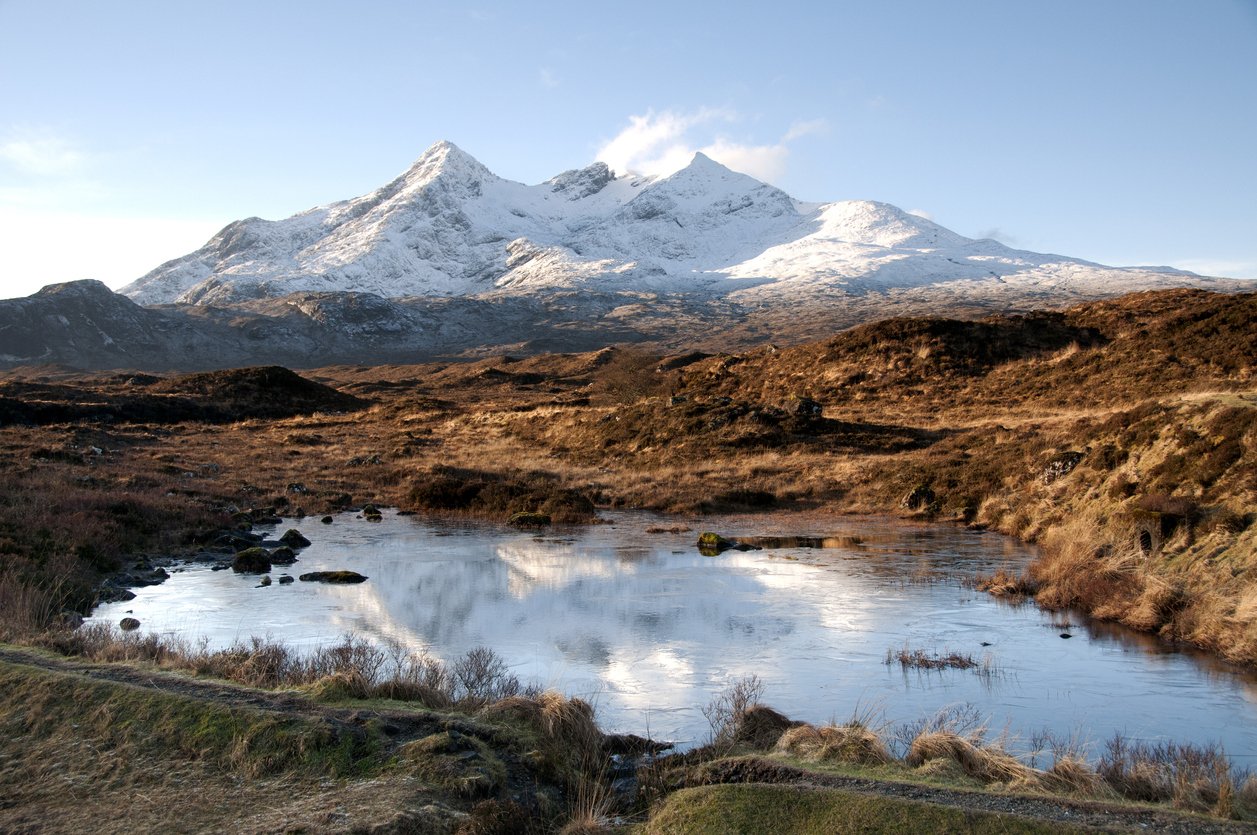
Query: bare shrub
[(725, 710), (481, 676), (28, 608), (964, 719), (1196, 777)]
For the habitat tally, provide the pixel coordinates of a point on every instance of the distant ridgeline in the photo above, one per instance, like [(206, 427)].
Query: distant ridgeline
[(449, 259)]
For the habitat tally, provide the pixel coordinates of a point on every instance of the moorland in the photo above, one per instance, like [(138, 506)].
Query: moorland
[(1119, 435)]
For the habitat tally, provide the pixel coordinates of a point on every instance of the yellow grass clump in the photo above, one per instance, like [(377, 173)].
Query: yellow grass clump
[(850, 743), (990, 765)]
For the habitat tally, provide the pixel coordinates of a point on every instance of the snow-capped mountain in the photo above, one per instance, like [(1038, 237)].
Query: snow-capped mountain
[(449, 227), (451, 260)]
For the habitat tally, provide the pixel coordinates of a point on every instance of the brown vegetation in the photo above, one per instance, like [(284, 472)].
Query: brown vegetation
[(949, 749), (1120, 435)]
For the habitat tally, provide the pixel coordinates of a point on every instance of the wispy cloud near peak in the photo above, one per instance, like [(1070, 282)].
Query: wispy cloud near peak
[(661, 142)]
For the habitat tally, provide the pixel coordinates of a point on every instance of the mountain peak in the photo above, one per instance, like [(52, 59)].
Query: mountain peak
[(582, 182), (446, 157), (448, 226)]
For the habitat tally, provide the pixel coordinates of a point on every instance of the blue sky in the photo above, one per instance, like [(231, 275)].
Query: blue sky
[(1122, 131)]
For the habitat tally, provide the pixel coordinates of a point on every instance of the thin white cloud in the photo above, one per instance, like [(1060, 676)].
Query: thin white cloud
[(41, 156), (548, 78), (807, 127), (663, 142), (763, 162), (921, 213)]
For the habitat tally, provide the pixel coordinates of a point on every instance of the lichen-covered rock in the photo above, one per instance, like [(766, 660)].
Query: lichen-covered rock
[(919, 498), (252, 561), (529, 519), (283, 555), (332, 577), (129, 624), (710, 544)]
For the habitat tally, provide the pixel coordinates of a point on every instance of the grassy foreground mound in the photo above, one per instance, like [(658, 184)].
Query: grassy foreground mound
[(123, 748), (810, 809), (146, 746)]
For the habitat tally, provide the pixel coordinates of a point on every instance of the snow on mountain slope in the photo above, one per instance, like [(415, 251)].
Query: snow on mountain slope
[(450, 227)]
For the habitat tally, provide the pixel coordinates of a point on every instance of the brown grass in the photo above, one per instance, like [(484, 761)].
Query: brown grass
[(988, 764), (1155, 392), (1198, 778), (850, 743)]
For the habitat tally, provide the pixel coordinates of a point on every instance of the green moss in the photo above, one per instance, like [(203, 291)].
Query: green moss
[(136, 721), (795, 809), (456, 761)]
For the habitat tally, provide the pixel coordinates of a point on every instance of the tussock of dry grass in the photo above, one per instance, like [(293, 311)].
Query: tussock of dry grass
[(988, 764), (1005, 584), (852, 743)]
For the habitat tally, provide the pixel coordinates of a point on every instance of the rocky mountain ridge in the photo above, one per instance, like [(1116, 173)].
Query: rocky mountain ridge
[(448, 226), (450, 260)]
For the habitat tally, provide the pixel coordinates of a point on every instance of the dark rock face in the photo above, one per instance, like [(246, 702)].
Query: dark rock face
[(582, 182), (129, 624)]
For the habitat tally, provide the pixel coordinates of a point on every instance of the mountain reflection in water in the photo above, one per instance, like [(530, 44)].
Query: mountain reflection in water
[(649, 630)]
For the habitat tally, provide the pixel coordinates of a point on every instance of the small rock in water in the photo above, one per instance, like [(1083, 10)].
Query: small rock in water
[(285, 579), (711, 544), (528, 519), (252, 561), (293, 539), (326, 520), (128, 624), (1066, 635), (266, 581), (332, 577), (986, 643)]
